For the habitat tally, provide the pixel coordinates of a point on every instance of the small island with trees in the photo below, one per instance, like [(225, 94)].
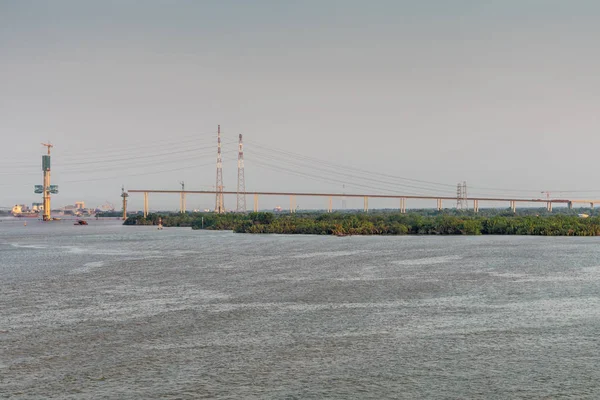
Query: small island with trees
[(420, 222)]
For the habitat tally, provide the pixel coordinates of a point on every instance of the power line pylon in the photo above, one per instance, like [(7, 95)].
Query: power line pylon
[(219, 207), (241, 184), (182, 198), (461, 196)]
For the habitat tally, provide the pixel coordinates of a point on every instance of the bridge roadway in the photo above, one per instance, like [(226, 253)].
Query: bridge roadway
[(401, 198)]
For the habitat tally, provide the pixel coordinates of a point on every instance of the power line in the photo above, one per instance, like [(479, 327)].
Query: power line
[(272, 150), (353, 177), (121, 154), (138, 174), (130, 164), (313, 159), (278, 168)]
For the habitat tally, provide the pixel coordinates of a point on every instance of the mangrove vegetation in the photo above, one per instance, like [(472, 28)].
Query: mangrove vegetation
[(380, 223)]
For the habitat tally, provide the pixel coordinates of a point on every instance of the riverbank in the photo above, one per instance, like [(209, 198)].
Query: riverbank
[(343, 224)]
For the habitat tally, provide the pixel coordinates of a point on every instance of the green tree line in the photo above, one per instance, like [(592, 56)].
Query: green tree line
[(379, 223)]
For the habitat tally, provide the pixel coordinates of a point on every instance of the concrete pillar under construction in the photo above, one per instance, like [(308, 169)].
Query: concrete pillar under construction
[(330, 208), (549, 206), (513, 206), (403, 205), (439, 204), (366, 204), (292, 204), (255, 202), (124, 195)]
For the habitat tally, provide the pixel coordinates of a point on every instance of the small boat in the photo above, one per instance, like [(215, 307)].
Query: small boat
[(80, 222)]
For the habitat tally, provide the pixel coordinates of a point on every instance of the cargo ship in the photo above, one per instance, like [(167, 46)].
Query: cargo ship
[(22, 211)]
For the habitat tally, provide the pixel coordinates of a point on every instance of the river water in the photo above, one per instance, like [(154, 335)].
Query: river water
[(109, 311)]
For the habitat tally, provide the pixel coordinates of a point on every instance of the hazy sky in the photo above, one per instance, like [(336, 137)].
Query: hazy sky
[(502, 94)]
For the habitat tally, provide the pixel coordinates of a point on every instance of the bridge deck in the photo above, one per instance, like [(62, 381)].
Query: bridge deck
[(375, 196)]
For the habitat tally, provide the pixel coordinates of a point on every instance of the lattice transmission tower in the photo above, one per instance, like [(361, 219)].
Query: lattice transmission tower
[(241, 183), (461, 196), (219, 207)]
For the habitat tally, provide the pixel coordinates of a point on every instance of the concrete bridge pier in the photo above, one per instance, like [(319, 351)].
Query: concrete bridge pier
[(255, 203), (292, 204), (570, 205), (366, 205), (476, 206), (439, 204), (330, 208), (145, 204), (549, 206), (403, 205), (513, 206)]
